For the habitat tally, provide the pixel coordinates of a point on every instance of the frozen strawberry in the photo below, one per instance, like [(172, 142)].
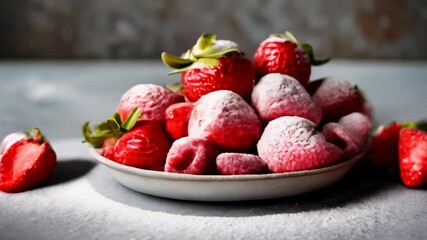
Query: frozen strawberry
[(213, 65), (278, 95), (11, 139), (359, 127), (191, 156), (340, 136), (413, 157), (105, 135), (293, 144), (336, 97), (177, 117), (151, 99), (226, 119), (284, 53), (240, 163), (26, 163), (145, 146)]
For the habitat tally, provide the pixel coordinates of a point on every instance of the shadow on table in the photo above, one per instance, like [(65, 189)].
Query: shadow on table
[(68, 170), (358, 185)]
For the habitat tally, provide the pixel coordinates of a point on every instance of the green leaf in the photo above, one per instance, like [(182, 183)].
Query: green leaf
[(309, 50), (36, 135), (175, 87), (180, 70), (212, 53), (132, 119), (292, 37), (175, 61), (209, 62), (422, 125), (205, 41), (95, 141)]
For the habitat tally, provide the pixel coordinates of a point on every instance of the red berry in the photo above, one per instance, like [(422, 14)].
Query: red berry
[(276, 55), (413, 157), (151, 99), (341, 137), (213, 65), (385, 145), (240, 163), (336, 97), (293, 144), (177, 117), (234, 72), (144, 146), (107, 148), (224, 118), (278, 95), (191, 156), (26, 163)]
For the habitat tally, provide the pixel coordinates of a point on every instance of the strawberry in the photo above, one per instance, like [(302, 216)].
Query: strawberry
[(151, 99), (106, 134), (385, 143), (145, 146), (413, 157), (26, 163), (284, 53), (177, 117), (336, 97), (212, 65), (384, 151)]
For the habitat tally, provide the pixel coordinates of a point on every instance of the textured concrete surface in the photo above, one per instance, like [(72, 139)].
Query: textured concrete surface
[(143, 29)]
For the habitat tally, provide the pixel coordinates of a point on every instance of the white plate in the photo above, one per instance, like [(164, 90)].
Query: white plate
[(226, 188)]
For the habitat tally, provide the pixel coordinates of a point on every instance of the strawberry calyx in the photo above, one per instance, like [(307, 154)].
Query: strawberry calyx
[(113, 127), (36, 135), (204, 53), (305, 46)]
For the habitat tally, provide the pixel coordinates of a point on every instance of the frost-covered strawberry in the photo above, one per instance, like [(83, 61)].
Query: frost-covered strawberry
[(177, 117), (145, 146), (293, 144), (226, 119), (213, 65), (278, 95), (336, 97), (151, 99), (105, 135), (413, 157), (350, 133), (26, 161), (283, 53), (240, 163), (191, 156)]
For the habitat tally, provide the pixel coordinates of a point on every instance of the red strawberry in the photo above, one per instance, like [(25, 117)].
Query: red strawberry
[(151, 99), (384, 151), (413, 157), (336, 97), (26, 163), (213, 65), (191, 156), (240, 163), (144, 146), (177, 117), (283, 53)]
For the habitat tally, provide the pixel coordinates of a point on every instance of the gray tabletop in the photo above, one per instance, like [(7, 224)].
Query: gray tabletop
[(83, 201)]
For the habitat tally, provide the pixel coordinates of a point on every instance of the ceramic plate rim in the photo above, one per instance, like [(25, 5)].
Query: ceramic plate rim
[(207, 178)]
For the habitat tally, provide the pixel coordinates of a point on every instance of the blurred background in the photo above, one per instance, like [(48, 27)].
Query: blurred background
[(134, 29)]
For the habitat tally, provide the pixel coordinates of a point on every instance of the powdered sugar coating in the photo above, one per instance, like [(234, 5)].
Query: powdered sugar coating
[(191, 156), (293, 144), (278, 95), (226, 119), (240, 163), (359, 126), (337, 134), (152, 99)]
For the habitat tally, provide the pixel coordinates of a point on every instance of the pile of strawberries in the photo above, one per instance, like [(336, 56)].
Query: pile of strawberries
[(233, 116), (236, 116)]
